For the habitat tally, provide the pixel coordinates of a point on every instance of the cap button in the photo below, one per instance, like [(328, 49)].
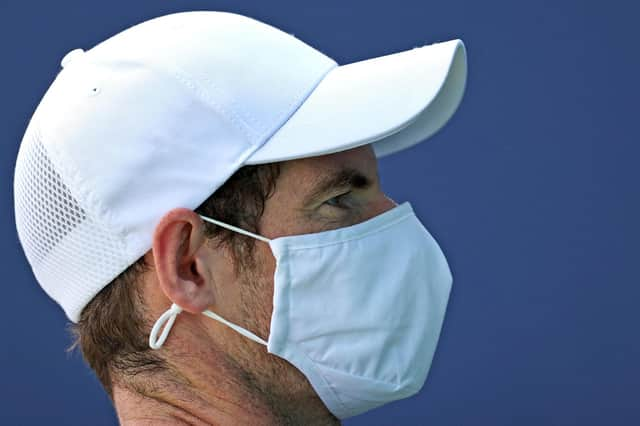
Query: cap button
[(71, 56)]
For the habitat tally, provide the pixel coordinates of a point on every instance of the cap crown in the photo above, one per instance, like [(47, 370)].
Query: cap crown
[(154, 118)]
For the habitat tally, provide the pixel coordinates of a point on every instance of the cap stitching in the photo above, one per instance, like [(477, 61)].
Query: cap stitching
[(243, 126), (235, 108), (287, 112)]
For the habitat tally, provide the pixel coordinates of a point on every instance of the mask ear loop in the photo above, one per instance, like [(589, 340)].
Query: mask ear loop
[(245, 333), (169, 317), (236, 229), (166, 320)]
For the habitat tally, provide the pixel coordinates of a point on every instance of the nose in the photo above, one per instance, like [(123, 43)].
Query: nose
[(390, 200), (383, 203)]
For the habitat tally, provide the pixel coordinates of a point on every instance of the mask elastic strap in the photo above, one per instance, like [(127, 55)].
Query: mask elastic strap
[(244, 332), (236, 229), (166, 320)]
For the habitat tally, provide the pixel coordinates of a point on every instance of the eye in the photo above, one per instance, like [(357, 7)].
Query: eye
[(339, 201)]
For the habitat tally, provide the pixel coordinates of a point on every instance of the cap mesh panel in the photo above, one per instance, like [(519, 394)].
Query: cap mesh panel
[(71, 254)]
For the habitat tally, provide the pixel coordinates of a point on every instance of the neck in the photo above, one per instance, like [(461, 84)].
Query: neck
[(136, 409), (206, 387)]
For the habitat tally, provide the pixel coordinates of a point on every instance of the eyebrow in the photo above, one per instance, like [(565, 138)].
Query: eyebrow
[(343, 178)]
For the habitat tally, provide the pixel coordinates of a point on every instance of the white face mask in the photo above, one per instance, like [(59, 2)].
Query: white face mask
[(358, 309)]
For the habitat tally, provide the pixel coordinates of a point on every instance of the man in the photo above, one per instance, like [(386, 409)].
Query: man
[(200, 195)]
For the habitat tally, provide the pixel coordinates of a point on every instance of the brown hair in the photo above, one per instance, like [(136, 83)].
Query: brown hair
[(113, 331)]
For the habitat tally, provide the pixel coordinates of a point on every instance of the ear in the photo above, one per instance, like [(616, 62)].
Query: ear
[(180, 260)]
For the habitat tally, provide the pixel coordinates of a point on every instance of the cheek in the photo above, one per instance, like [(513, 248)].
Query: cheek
[(261, 284)]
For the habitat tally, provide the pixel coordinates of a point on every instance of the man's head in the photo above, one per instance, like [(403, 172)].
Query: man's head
[(113, 329), (201, 266), (216, 115)]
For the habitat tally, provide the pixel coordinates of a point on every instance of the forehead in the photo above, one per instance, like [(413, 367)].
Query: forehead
[(306, 173)]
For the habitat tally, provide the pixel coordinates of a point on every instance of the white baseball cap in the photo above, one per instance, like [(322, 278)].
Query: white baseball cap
[(162, 114)]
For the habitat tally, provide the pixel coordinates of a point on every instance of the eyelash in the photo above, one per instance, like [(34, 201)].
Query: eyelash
[(338, 198)]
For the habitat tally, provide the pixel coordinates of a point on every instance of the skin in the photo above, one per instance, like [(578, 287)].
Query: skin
[(221, 377)]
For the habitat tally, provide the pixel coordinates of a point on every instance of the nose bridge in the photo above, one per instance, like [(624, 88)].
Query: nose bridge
[(386, 203), (382, 203), (391, 200)]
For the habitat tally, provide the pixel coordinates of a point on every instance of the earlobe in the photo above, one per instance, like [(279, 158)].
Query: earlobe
[(179, 258)]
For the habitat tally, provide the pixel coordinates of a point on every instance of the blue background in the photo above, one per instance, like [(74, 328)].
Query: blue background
[(531, 189)]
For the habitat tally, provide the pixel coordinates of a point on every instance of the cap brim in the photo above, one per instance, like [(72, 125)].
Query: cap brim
[(392, 101)]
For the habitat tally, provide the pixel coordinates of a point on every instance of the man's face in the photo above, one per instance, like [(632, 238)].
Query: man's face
[(318, 194), (311, 195)]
